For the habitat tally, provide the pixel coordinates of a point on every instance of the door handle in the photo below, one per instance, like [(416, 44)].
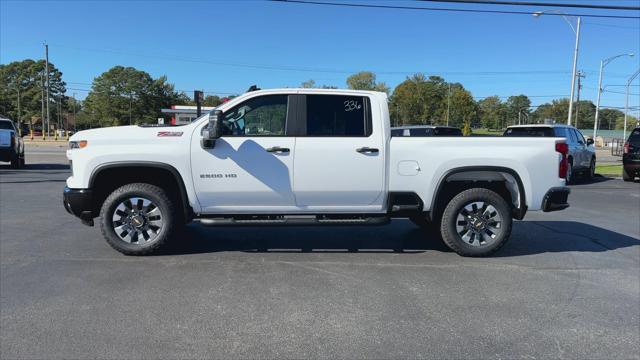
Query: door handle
[(367, 150), (278, 149)]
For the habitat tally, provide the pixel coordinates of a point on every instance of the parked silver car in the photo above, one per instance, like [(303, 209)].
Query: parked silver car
[(582, 153)]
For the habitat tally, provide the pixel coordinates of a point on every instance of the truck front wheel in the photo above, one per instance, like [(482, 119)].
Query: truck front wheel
[(476, 222), (137, 219)]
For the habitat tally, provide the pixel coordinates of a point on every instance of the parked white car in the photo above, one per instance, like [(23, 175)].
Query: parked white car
[(307, 157)]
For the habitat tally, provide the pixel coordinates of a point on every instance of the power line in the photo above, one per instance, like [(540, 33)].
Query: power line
[(612, 26), (530, 3), (310, 69), (310, 2)]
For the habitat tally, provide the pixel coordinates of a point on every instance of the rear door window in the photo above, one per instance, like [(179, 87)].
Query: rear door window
[(561, 132), (338, 115)]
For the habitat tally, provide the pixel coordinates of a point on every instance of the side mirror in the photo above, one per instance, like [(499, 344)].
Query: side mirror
[(589, 141), (213, 130)]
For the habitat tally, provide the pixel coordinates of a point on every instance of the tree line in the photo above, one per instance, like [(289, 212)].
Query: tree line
[(125, 95)]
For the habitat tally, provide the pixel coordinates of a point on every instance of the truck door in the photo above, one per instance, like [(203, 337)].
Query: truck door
[(250, 169), (340, 159)]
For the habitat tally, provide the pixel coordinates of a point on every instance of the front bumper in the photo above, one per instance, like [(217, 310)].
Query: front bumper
[(78, 202), (556, 199)]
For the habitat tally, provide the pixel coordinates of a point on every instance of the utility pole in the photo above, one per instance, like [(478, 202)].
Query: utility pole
[(46, 52), (74, 113), (19, 113), (580, 75), (42, 100), (130, 98)]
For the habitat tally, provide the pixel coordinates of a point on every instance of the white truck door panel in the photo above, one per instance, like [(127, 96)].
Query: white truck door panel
[(241, 172), (340, 163), (330, 172), (250, 169)]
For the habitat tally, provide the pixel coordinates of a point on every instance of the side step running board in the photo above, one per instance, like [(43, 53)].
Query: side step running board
[(292, 220)]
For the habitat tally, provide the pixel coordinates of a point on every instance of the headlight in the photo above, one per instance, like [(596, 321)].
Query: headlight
[(77, 144)]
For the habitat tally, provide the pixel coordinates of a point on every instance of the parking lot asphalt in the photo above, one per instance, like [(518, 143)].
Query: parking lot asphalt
[(567, 285)]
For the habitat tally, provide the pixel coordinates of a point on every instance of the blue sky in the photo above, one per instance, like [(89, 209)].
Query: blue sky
[(225, 46)]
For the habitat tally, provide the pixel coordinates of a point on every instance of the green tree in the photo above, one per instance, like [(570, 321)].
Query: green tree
[(308, 84), (420, 100), (124, 95), (211, 100), (492, 112), (584, 114), (608, 118), (26, 78), (516, 105), (366, 80), (463, 107), (555, 111)]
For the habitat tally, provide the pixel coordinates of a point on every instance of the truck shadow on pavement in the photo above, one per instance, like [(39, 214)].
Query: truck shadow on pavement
[(401, 236), (578, 180)]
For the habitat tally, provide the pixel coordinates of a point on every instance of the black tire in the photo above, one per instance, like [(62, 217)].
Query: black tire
[(569, 176), (158, 198), (15, 162), (626, 176), (592, 169), (450, 223)]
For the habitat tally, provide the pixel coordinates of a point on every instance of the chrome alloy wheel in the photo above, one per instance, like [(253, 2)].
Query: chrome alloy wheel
[(478, 223), (137, 220)]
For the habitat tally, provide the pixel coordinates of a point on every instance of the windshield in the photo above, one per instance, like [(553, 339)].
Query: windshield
[(6, 125), (530, 132)]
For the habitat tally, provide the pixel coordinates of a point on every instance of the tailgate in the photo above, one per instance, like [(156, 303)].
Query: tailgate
[(5, 138)]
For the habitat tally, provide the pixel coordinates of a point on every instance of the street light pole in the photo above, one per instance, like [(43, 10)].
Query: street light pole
[(626, 104), (603, 63), (576, 30), (575, 64)]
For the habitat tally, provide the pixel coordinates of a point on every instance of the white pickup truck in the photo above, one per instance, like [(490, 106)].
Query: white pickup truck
[(307, 157), (11, 144)]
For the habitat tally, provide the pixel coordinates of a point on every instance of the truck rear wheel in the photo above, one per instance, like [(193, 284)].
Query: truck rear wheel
[(476, 222), (137, 219)]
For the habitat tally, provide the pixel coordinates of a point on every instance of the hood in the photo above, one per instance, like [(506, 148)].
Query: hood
[(129, 134)]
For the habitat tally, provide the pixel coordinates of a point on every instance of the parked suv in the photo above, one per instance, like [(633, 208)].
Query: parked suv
[(631, 156), (582, 153), (425, 130)]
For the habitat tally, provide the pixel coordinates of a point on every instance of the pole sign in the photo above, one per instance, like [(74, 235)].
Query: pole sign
[(198, 97)]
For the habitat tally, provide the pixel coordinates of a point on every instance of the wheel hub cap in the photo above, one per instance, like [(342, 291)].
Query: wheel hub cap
[(137, 220), (478, 223)]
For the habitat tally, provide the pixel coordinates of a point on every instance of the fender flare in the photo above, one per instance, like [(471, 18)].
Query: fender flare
[(188, 211), (518, 213)]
